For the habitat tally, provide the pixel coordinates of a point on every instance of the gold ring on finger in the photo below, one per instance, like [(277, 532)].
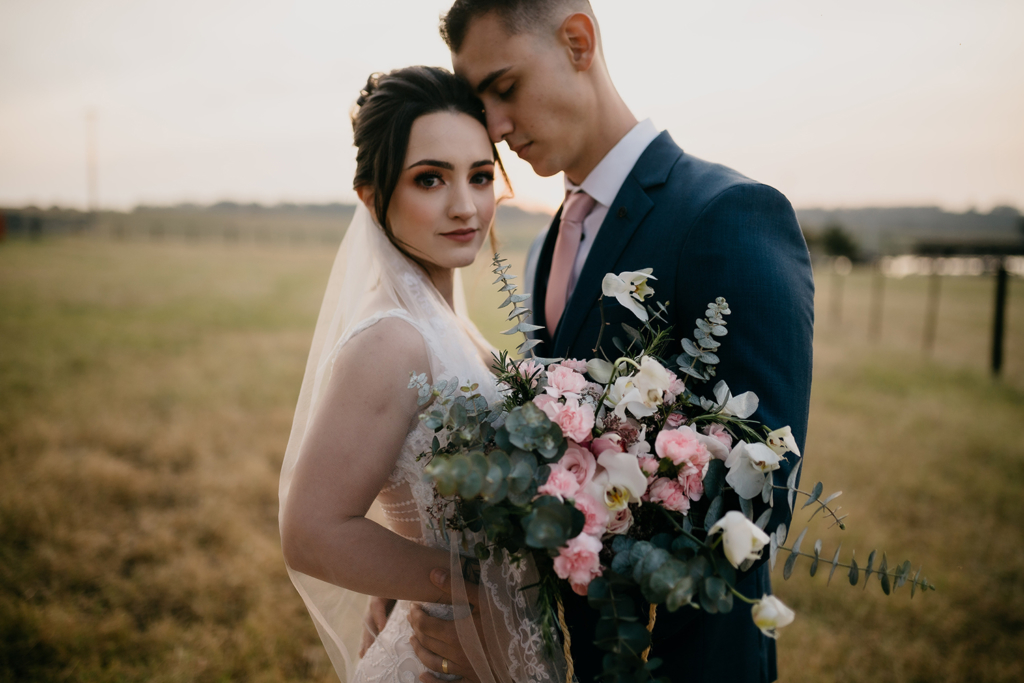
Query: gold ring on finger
[(444, 665)]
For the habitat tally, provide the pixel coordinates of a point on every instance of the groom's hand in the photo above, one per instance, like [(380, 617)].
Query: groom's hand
[(377, 612), (435, 640)]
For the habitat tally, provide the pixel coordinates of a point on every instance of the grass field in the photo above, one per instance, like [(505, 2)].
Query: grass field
[(146, 393)]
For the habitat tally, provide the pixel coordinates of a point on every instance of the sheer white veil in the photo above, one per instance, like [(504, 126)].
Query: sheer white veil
[(368, 268)]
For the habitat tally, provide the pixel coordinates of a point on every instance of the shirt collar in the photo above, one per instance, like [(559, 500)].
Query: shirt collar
[(604, 182)]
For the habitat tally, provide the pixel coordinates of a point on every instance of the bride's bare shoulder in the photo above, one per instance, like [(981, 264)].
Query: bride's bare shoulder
[(384, 353)]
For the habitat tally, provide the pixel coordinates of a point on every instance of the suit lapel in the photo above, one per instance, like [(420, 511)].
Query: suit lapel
[(540, 285), (627, 212)]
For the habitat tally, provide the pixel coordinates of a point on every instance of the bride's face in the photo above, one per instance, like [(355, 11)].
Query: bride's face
[(443, 205)]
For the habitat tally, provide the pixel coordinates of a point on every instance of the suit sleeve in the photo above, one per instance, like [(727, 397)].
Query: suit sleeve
[(746, 246)]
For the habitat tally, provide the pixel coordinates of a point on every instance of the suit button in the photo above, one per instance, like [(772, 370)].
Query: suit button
[(622, 212)]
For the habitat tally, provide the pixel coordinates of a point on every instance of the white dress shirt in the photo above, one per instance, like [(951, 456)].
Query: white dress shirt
[(604, 182)]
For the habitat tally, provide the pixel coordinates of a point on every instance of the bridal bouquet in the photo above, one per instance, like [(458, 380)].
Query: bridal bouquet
[(615, 476)]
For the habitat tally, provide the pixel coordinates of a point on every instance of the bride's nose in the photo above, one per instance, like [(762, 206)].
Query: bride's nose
[(461, 206)]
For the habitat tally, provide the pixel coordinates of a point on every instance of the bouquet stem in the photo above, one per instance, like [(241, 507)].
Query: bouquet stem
[(650, 629), (566, 641)]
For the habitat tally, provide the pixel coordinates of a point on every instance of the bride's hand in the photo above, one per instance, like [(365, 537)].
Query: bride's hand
[(377, 612)]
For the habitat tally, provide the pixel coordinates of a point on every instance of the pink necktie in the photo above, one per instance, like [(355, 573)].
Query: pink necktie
[(570, 231)]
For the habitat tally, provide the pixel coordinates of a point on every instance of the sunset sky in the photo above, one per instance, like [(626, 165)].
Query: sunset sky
[(836, 104)]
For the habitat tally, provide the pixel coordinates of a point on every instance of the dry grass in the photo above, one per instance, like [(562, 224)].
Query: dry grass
[(145, 399)]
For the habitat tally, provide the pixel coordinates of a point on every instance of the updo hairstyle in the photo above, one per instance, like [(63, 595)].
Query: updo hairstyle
[(382, 121)]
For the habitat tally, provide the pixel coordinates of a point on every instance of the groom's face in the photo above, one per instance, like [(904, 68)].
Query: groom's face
[(529, 90)]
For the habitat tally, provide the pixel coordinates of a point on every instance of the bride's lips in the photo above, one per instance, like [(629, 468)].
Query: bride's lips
[(462, 235)]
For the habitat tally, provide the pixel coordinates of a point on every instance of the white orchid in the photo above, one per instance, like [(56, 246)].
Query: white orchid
[(742, 406), (749, 464), (782, 441), (629, 288), (621, 481), (624, 395), (653, 381), (770, 614), (741, 539)]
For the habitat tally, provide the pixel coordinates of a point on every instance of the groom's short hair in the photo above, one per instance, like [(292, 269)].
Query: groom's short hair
[(516, 16)]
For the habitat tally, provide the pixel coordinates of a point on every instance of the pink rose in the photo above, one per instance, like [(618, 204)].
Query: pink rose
[(670, 494), (595, 512), (576, 421), (681, 445), (620, 523), (719, 432), (579, 561), (561, 483), (579, 462), (674, 420), (564, 382), (609, 441)]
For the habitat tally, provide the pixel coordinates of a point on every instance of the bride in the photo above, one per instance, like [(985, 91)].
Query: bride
[(393, 308)]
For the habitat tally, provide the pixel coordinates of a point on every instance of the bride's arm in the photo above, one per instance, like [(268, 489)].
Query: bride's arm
[(346, 457)]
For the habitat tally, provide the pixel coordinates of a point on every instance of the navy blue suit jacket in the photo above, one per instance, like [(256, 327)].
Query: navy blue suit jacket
[(708, 232)]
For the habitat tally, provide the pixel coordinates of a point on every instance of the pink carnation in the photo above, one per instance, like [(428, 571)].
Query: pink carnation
[(681, 445), (595, 512), (579, 462), (719, 432), (579, 366), (561, 483), (691, 482), (620, 523), (530, 369), (670, 494), (675, 387), (579, 562), (562, 382), (674, 420), (576, 421), (648, 464)]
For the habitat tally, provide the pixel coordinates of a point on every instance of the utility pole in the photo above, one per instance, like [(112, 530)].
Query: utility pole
[(91, 171)]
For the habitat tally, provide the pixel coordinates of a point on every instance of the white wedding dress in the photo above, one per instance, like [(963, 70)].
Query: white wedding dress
[(369, 267)]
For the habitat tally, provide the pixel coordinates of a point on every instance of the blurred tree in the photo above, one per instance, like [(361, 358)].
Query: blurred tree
[(836, 241)]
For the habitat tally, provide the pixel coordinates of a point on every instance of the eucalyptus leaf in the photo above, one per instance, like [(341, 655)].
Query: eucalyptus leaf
[(815, 493), (773, 550), (835, 563), (767, 490), (517, 311), (709, 358), (691, 349), (526, 346), (714, 512), (867, 569), (763, 520), (854, 573), (747, 508)]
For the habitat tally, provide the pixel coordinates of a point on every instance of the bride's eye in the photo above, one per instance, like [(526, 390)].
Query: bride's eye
[(483, 178), (507, 92), (429, 179)]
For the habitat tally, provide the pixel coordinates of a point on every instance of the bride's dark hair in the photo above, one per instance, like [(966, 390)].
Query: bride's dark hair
[(387, 108)]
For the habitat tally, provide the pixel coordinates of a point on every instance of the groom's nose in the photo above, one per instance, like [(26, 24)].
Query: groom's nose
[(499, 123)]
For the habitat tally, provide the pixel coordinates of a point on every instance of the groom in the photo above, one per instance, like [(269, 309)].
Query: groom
[(635, 200)]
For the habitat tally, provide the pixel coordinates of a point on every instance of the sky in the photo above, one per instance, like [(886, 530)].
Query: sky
[(873, 103)]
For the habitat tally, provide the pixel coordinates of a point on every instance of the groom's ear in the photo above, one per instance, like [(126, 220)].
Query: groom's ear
[(579, 35)]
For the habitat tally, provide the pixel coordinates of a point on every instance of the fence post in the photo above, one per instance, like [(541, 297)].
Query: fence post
[(877, 302), (931, 316), (998, 325)]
